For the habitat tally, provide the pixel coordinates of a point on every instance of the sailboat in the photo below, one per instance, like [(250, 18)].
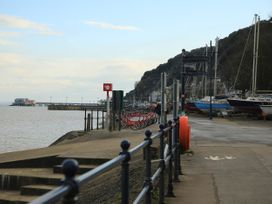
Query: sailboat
[(215, 103), (266, 109), (252, 104), (218, 104)]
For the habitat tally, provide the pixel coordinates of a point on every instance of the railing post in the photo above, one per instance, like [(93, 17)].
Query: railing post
[(70, 168), (125, 172), (88, 122), (162, 165), (176, 153), (170, 169), (148, 166), (179, 146)]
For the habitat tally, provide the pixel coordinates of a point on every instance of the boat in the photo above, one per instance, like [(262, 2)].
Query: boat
[(191, 107), (253, 103), (266, 109), (250, 104), (216, 104)]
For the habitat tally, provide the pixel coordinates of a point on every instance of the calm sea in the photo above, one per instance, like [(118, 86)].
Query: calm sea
[(33, 127)]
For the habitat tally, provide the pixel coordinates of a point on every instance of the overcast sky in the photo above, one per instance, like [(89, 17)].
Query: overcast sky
[(65, 50)]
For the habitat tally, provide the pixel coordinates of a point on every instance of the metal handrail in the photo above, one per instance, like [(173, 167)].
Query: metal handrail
[(70, 187), (57, 193), (138, 147), (52, 196), (153, 179)]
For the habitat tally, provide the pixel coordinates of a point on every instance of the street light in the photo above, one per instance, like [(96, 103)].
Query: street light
[(210, 77), (183, 54)]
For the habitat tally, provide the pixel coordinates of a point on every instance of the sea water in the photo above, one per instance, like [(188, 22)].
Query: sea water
[(24, 128)]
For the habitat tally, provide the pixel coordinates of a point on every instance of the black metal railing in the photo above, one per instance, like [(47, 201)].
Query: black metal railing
[(169, 158)]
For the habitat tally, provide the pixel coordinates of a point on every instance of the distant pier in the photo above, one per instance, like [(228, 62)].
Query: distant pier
[(72, 106)]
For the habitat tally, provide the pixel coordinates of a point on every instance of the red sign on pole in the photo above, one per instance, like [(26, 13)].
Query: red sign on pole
[(107, 87)]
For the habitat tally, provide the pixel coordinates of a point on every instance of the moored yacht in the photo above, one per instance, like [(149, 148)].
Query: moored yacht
[(266, 109), (252, 103)]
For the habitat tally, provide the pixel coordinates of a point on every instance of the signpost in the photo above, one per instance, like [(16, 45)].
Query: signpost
[(107, 87)]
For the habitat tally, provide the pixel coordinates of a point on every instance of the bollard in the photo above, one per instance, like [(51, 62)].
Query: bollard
[(162, 165), (125, 172), (148, 166), (70, 168), (170, 169), (176, 153), (88, 122)]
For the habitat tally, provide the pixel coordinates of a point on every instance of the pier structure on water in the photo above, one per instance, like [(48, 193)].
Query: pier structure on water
[(62, 104)]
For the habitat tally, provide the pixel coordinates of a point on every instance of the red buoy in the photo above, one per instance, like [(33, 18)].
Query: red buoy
[(184, 132)]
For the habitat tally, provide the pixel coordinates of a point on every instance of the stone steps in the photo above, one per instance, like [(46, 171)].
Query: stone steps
[(85, 161), (82, 168), (14, 182), (15, 197), (22, 185), (36, 189)]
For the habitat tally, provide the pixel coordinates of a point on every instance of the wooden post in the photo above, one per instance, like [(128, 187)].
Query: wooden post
[(85, 120), (103, 120), (88, 122), (92, 120), (97, 119)]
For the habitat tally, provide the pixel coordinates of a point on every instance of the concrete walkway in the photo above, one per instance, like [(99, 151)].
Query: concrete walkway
[(231, 163)]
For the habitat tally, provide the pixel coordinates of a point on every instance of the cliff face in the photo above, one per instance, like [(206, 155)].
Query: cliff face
[(230, 53)]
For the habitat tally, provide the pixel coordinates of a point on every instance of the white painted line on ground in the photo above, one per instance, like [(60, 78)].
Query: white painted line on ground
[(217, 158)]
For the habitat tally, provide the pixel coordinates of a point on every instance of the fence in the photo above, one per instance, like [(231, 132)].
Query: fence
[(169, 144), (94, 120), (136, 120)]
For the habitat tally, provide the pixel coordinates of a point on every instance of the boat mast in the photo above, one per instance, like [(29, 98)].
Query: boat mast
[(215, 67), (202, 82), (206, 71), (255, 53)]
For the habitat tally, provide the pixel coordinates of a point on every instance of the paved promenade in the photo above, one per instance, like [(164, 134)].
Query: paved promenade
[(231, 163)]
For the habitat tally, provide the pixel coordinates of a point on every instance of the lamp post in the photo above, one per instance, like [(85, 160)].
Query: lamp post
[(182, 80), (210, 77), (215, 66)]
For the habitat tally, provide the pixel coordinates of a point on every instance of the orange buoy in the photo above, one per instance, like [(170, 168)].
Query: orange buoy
[(184, 132)]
